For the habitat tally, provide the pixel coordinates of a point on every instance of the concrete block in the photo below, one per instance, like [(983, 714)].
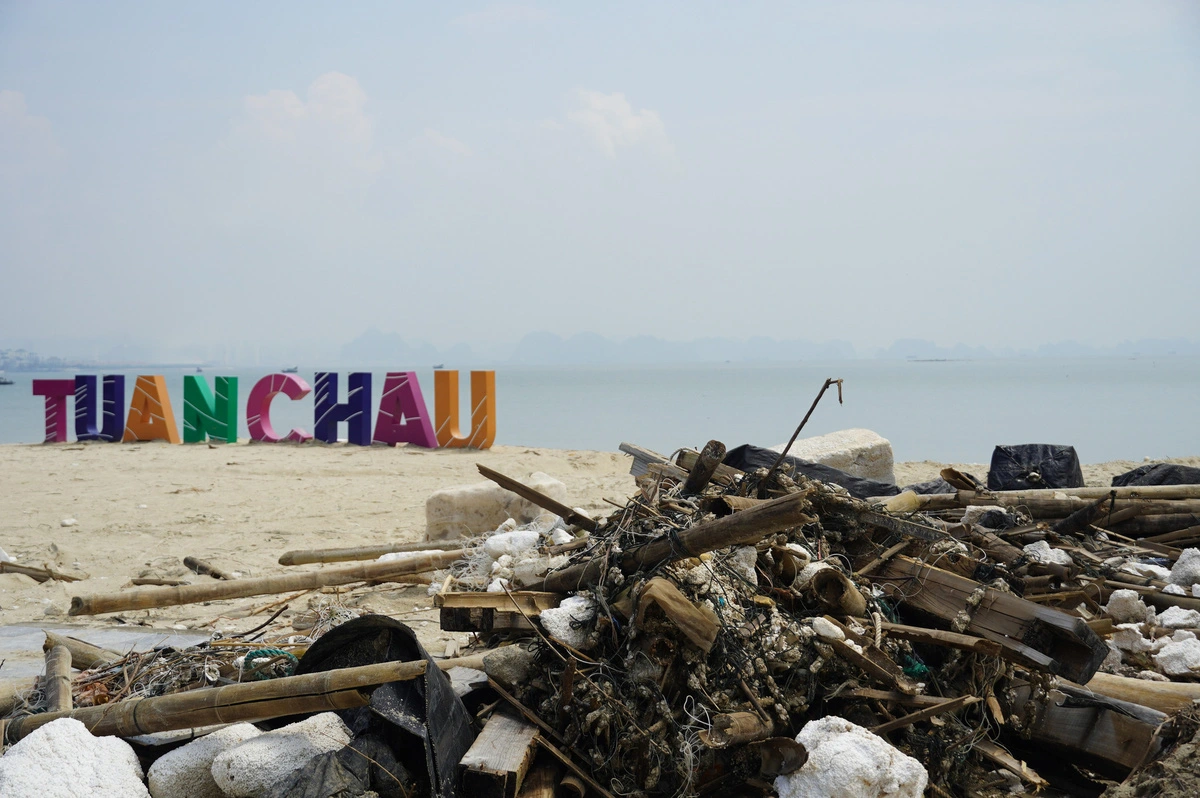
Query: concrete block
[(469, 510), (859, 452), (187, 771), (254, 767)]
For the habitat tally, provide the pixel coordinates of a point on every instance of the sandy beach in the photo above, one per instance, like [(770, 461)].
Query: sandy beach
[(138, 510)]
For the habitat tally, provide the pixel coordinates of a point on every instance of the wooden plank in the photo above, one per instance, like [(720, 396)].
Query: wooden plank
[(481, 619), (530, 602), (495, 764), (642, 457), (1040, 637)]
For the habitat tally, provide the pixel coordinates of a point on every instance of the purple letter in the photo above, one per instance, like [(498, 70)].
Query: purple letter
[(356, 412), (56, 393), (89, 408), (403, 417)]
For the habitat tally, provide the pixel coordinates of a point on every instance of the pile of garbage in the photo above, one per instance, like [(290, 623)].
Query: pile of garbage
[(747, 623)]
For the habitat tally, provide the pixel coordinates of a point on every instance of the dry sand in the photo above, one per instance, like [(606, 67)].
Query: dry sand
[(140, 509)]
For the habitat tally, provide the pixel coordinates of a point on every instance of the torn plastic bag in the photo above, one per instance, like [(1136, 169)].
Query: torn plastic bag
[(1158, 474), (1033, 466), (421, 722)]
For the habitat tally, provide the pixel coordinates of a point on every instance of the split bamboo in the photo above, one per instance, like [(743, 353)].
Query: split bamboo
[(253, 701), (150, 597)]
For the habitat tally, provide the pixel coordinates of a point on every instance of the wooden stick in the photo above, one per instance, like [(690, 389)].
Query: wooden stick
[(925, 714), (702, 472), (963, 498), (747, 526), (305, 556), (253, 701), (989, 750), (538, 498), (41, 574), (150, 581), (201, 567), (57, 682), (882, 558), (149, 597), (937, 637), (84, 656)]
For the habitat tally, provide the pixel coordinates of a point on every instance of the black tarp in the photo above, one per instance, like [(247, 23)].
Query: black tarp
[(748, 457), (1158, 474), (415, 731), (1032, 466)]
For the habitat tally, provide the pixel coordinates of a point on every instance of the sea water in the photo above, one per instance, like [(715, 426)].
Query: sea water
[(952, 411)]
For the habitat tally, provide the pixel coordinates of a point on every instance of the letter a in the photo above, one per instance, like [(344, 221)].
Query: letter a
[(150, 415), (403, 416), (483, 410)]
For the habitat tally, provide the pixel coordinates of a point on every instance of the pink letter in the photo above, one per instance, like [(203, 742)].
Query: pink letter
[(403, 417), (258, 407), (56, 393)]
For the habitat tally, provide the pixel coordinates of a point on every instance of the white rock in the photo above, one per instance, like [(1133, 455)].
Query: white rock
[(1174, 590), (1042, 552), (187, 771), (1186, 570), (253, 766), (63, 760), (1178, 618), (469, 510), (68, 522), (1128, 637), (1146, 569), (1126, 606), (573, 610), (847, 761), (860, 452), (827, 630), (1179, 659)]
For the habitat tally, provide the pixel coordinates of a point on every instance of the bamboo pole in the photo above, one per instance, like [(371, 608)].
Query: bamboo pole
[(747, 526), (150, 597), (963, 498), (253, 701), (305, 556), (84, 656), (11, 688), (57, 682)]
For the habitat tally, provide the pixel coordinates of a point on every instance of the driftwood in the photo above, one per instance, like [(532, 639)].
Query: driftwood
[(305, 556), (84, 656), (202, 567), (150, 597), (496, 763), (540, 499), (951, 705), (253, 701), (57, 681), (1168, 697), (747, 526), (42, 574), (1059, 643), (706, 465)]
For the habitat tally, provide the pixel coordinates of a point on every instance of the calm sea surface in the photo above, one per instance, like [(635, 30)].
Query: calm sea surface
[(949, 410)]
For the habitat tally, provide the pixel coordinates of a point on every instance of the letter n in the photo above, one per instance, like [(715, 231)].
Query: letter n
[(206, 416), (150, 415), (483, 410)]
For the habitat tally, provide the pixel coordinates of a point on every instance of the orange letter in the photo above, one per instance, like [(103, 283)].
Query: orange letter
[(150, 414), (483, 410)]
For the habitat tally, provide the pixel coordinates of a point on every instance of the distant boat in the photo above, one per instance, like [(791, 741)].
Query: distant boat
[(440, 366), (199, 370), (291, 369), (6, 381)]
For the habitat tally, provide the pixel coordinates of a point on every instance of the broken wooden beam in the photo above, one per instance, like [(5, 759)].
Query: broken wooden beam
[(496, 763), (706, 465), (1040, 637)]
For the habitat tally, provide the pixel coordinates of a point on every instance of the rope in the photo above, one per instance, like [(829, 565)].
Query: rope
[(267, 654)]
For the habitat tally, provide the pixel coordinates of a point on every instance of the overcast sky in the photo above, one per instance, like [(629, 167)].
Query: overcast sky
[(988, 173)]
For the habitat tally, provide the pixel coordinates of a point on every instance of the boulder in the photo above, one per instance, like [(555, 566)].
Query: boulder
[(858, 452), (470, 510)]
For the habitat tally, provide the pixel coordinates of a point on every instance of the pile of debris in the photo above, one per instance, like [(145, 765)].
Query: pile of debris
[(742, 625)]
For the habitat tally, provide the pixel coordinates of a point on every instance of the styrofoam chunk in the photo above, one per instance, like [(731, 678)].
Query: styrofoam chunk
[(847, 761), (63, 760), (252, 767), (469, 510), (859, 452), (1186, 570), (188, 770)]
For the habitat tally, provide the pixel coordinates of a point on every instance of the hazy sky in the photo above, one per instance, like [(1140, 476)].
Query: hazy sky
[(990, 173)]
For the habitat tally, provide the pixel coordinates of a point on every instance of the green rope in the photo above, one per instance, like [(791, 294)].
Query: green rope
[(270, 653)]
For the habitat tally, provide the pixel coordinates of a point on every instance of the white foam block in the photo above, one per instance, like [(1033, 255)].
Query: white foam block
[(847, 761), (251, 768), (469, 510), (188, 770), (63, 760), (859, 452)]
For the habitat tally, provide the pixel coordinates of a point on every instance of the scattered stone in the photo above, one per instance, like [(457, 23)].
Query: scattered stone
[(63, 760), (508, 665), (188, 770), (255, 766), (1186, 570), (847, 761), (68, 522)]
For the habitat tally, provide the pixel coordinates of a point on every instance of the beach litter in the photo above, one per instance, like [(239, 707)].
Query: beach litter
[(746, 623)]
